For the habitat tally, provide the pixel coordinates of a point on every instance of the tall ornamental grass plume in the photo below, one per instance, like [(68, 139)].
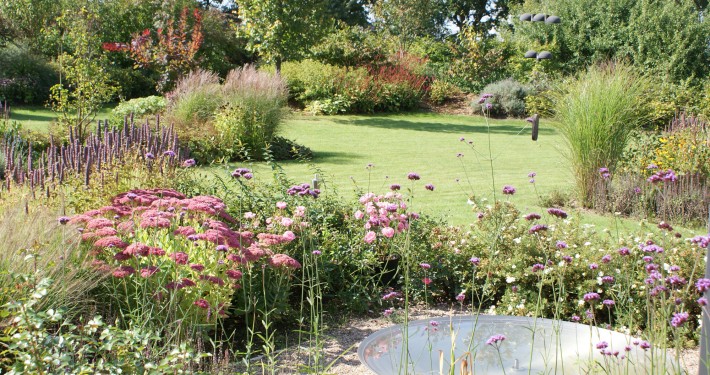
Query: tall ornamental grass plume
[(596, 113), (195, 100), (35, 242), (253, 112)]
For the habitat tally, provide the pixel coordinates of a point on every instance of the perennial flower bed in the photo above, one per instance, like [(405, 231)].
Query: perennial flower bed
[(179, 255)]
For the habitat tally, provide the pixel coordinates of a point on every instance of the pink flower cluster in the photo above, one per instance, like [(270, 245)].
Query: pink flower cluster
[(203, 246), (387, 212)]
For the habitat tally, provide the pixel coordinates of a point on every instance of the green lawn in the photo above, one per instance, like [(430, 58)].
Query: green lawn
[(38, 118), (424, 143), (428, 144)]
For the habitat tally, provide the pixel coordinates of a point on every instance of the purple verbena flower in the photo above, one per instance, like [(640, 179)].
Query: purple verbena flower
[(537, 228), (557, 212), (532, 216), (495, 340), (679, 319)]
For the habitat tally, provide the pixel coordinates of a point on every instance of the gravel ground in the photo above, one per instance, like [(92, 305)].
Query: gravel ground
[(341, 345)]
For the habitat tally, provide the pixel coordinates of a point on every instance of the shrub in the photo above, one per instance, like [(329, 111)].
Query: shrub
[(442, 91), (508, 98), (140, 107), (667, 99), (389, 86), (331, 106), (596, 114), (398, 86), (24, 77), (540, 95), (310, 80), (45, 340), (253, 112)]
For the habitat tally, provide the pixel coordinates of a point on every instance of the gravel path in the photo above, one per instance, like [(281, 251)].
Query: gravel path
[(340, 347)]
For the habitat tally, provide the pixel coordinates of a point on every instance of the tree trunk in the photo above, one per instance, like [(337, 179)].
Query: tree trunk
[(278, 65)]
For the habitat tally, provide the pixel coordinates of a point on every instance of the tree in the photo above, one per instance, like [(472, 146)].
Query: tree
[(479, 15), (409, 19), (172, 49), (28, 20), (85, 86), (281, 30), (665, 38), (348, 12), (349, 47)]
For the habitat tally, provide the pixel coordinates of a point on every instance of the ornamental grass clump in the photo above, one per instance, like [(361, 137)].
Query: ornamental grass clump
[(254, 109), (596, 113)]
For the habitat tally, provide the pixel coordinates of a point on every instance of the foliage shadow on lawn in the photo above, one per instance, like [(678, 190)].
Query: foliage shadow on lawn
[(334, 157), (20, 117), (438, 127)]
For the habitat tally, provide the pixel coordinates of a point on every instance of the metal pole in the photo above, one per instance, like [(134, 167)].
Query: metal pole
[(705, 329)]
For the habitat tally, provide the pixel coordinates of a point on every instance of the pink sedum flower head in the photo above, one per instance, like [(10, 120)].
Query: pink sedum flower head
[(370, 237), (285, 261), (289, 236), (123, 271), (388, 232), (234, 274), (148, 271), (179, 257), (201, 303), (281, 205)]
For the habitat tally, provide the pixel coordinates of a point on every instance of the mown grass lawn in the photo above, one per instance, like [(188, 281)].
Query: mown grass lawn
[(38, 118), (428, 144), (425, 143)]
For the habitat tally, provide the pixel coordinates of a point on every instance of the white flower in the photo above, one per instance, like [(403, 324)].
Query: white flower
[(510, 279), (587, 243), (513, 266), (517, 240)]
